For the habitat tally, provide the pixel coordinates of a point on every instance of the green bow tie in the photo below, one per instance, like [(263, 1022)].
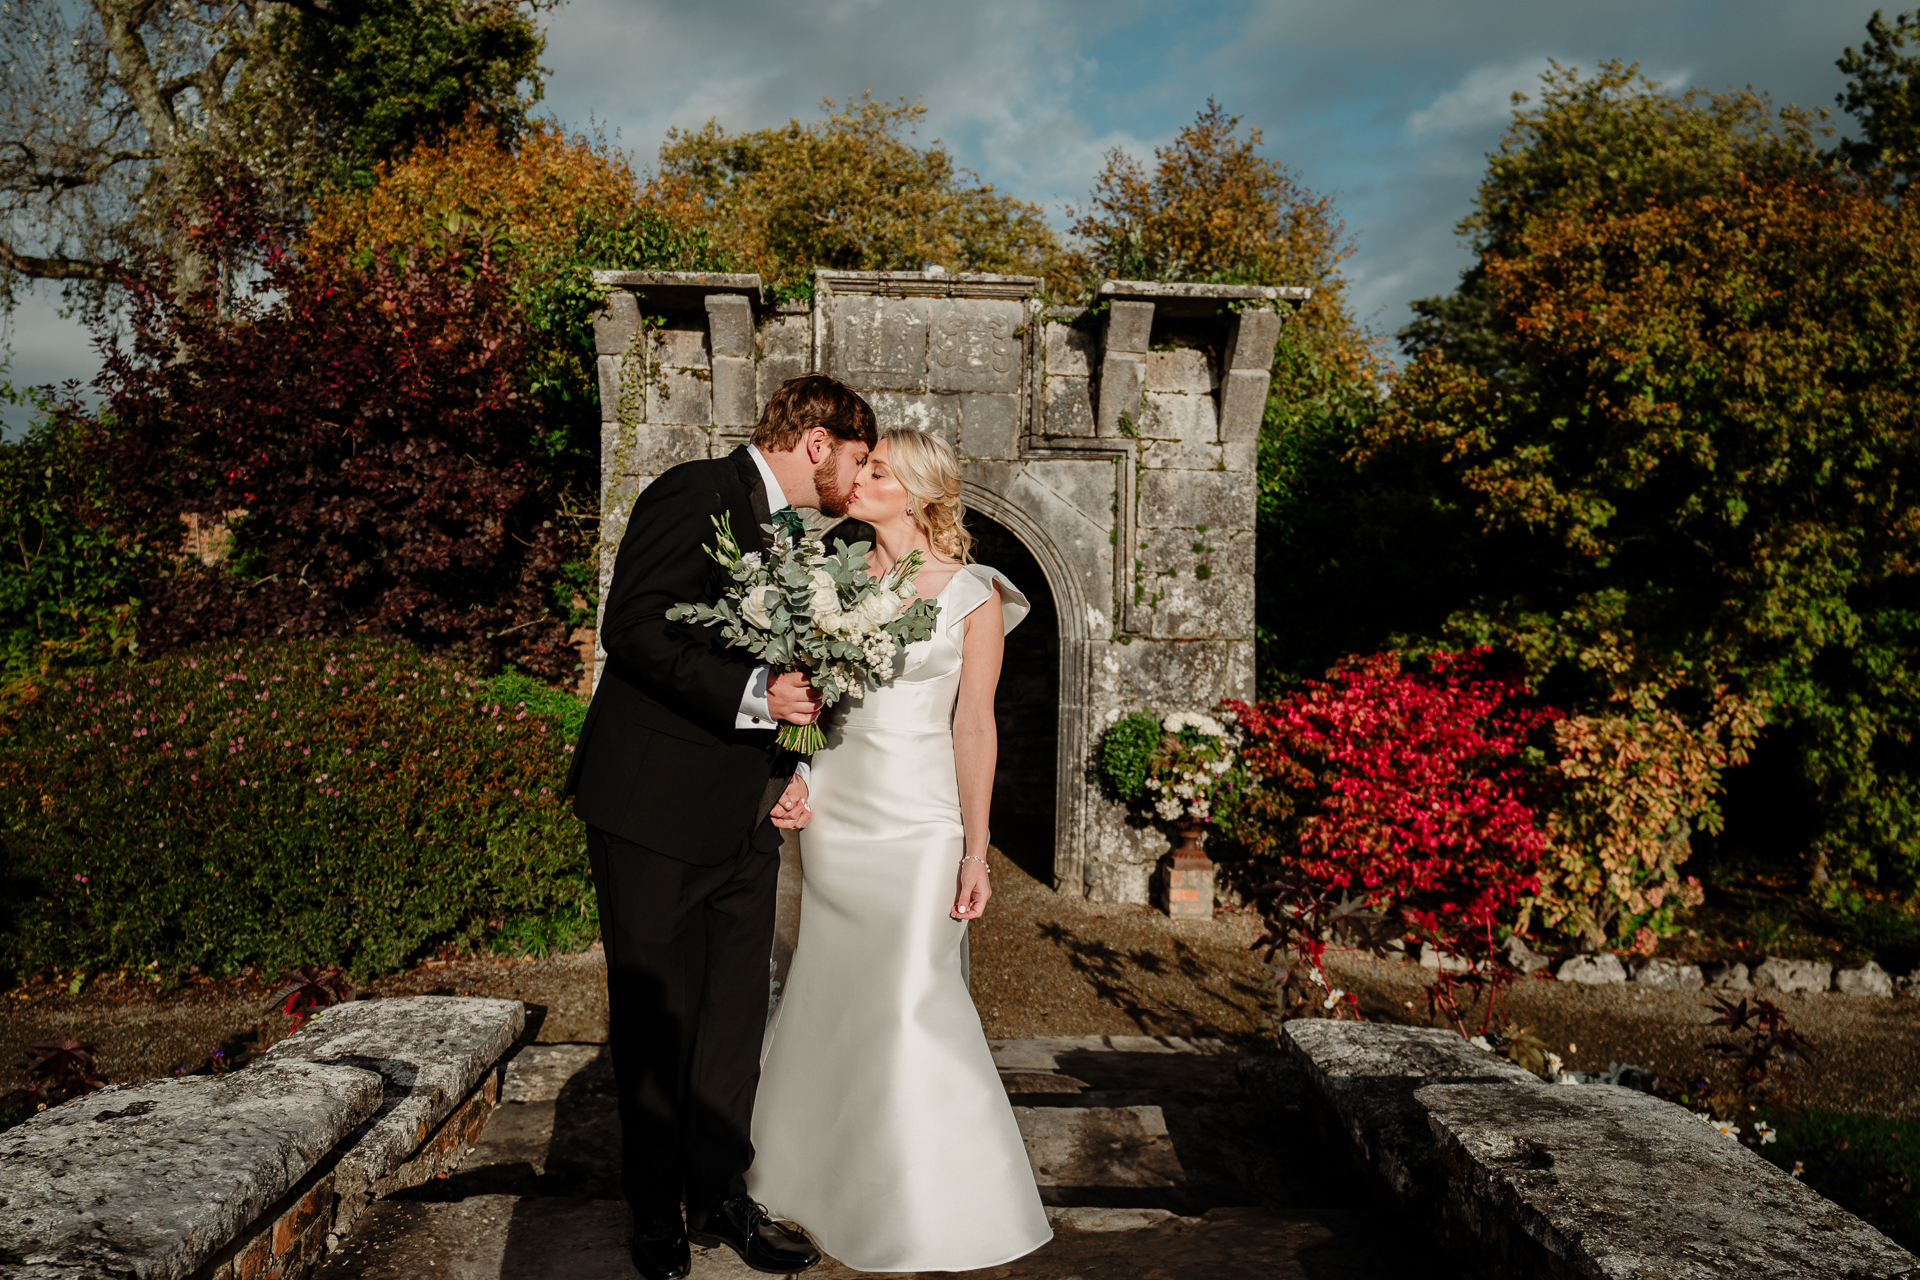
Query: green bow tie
[(789, 521)]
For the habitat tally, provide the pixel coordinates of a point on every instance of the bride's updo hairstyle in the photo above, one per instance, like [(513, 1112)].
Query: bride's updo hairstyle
[(927, 468)]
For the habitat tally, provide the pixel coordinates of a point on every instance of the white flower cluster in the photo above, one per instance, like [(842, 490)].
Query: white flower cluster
[(1763, 1133), (1206, 724), (879, 648), (1188, 771), (861, 620)]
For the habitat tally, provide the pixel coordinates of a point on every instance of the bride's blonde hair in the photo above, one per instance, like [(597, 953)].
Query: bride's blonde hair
[(928, 469)]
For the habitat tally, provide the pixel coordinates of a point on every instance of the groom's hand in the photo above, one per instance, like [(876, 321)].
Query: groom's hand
[(792, 697), (792, 811)]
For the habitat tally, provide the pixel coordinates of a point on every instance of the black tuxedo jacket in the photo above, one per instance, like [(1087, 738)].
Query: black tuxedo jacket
[(659, 761)]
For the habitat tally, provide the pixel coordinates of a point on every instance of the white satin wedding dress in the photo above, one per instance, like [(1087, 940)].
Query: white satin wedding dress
[(881, 1125)]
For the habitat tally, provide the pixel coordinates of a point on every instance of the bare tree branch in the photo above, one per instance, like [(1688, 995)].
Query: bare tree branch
[(63, 268)]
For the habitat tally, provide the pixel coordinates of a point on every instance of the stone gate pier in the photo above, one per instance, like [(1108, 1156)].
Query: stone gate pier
[(1109, 449)]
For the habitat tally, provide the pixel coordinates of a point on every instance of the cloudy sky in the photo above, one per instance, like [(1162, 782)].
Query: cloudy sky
[(1388, 105)]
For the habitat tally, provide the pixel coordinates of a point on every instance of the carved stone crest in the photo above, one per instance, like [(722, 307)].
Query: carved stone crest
[(974, 345)]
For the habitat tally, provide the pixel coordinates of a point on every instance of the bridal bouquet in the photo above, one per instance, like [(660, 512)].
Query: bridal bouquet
[(798, 608)]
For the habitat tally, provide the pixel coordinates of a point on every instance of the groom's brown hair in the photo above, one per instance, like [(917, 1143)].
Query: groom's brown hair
[(809, 401)]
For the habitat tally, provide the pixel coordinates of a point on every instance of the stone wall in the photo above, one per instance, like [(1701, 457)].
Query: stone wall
[(1116, 443)]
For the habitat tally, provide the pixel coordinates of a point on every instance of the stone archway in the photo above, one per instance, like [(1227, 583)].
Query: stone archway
[(1115, 444)]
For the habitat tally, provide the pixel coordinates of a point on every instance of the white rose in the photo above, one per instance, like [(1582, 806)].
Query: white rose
[(753, 607), (873, 612), (826, 602)]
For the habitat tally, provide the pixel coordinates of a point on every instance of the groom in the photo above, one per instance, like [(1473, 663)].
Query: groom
[(681, 786)]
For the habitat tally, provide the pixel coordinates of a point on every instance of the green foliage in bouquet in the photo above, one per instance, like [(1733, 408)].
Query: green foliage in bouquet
[(342, 802), (800, 608)]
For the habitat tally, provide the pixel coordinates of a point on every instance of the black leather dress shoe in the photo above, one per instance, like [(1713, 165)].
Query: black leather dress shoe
[(659, 1249), (763, 1244)]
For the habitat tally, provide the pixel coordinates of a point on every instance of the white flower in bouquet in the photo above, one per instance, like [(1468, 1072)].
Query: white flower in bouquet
[(825, 599), (754, 607), (872, 613), (800, 608)]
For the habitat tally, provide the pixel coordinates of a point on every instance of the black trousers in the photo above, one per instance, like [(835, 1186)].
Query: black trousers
[(687, 954)]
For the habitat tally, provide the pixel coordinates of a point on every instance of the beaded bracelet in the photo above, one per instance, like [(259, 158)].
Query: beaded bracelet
[(967, 857)]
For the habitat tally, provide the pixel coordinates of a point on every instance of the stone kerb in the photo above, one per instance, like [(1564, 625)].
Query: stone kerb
[(1365, 1076), (430, 1050), (1598, 1181), (152, 1179)]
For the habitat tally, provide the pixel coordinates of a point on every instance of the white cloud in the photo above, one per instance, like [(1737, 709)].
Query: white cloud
[(1484, 97)]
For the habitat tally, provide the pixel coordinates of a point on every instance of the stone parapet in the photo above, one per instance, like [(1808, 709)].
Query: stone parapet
[(151, 1179), (1599, 1181), (1525, 1179), (254, 1175)]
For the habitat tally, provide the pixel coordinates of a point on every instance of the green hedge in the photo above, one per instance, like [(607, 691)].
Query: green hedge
[(336, 801)]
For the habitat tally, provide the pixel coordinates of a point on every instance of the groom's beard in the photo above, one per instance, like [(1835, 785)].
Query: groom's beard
[(826, 484)]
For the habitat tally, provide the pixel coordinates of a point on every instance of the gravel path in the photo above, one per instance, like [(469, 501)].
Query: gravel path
[(1866, 1049)]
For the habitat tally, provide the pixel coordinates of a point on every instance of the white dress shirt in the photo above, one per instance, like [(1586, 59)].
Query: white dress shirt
[(753, 713)]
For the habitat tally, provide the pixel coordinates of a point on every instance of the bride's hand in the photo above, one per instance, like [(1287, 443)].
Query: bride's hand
[(791, 809), (972, 891)]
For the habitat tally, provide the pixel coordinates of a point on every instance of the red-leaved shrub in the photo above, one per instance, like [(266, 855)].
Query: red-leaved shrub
[(1404, 791), (365, 437)]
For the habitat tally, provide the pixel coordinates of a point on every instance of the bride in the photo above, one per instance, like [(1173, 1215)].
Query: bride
[(881, 1122)]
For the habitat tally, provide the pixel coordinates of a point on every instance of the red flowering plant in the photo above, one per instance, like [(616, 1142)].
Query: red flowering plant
[(1394, 792)]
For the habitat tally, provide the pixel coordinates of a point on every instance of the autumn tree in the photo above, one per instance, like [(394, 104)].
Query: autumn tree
[(366, 436), (553, 207), (1686, 461), (1214, 209), (1883, 97), (1614, 135), (118, 120), (851, 191), (353, 83)]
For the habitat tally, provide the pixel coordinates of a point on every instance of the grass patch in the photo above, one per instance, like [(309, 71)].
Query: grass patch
[(1867, 1165)]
